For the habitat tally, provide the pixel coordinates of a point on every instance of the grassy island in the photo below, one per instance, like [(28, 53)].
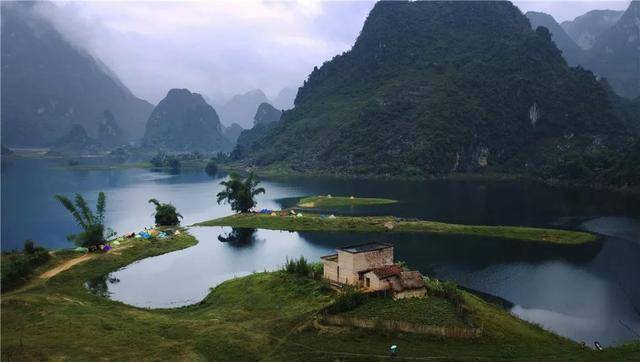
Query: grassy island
[(315, 222), (338, 201), (266, 316)]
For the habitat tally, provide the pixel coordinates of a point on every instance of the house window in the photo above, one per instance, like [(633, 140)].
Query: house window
[(338, 273), (367, 282)]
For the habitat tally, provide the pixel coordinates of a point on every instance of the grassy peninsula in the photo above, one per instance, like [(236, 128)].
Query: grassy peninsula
[(338, 201), (314, 222), (266, 316)]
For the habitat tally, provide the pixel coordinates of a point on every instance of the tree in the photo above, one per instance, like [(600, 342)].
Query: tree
[(240, 194), (93, 231), (211, 168), (166, 214)]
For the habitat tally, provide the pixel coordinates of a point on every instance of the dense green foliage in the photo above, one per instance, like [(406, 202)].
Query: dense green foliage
[(184, 121), (433, 88), (211, 168), (162, 160), (17, 267), (240, 193), (266, 113), (166, 214), (303, 268), (93, 231)]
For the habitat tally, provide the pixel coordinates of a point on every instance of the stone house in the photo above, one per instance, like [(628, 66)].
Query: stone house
[(370, 266)]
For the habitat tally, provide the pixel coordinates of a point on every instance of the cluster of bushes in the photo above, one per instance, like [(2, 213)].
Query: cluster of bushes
[(348, 298), (303, 268), (17, 267), (447, 290), (166, 214), (211, 168), (161, 159)]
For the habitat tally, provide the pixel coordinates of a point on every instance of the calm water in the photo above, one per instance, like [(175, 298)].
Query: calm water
[(586, 293)]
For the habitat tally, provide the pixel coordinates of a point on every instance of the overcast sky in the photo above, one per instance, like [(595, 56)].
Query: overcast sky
[(224, 48)]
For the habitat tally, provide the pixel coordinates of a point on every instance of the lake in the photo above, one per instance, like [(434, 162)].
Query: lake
[(588, 292)]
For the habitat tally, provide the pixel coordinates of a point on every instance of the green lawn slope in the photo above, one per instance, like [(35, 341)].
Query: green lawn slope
[(264, 316)]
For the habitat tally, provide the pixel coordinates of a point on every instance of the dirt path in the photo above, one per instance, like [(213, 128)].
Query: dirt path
[(66, 265)]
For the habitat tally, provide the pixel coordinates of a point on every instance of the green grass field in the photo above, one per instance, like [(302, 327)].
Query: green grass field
[(266, 316), (313, 222), (340, 201)]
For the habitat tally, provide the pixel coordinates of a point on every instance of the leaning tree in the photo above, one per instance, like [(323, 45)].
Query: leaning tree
[(93, 231)]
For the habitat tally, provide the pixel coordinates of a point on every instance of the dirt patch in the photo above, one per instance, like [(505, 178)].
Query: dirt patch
[(66, 265)]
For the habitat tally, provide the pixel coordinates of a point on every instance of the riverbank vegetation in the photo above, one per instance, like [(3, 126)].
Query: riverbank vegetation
[(338, 201), (240, 194), (166, 214), (267, 316), (317, 222), (18, 266), (93, 231)]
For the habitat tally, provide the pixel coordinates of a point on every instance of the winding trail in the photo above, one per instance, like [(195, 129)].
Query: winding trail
[(66, 265)]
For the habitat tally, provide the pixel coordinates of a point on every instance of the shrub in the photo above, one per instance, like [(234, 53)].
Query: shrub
[(17, 267), (317, 270), (211, 168), (348, 298), (93, 230), (166, 214), (299, 267), (434, 287), (29, 247)]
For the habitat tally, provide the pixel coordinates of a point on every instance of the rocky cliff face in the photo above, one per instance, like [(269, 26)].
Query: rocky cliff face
[(570, 50), (183, 121), (233, 132), (48, 85), (109, 132), (610, 42), (585, 29), (240, 108), (435, 87), (616, 53), (76, 141), (266, 113)]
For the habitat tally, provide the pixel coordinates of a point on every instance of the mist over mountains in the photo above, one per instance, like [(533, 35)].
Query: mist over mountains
[(48, 85), (606, 42), (427, 89)]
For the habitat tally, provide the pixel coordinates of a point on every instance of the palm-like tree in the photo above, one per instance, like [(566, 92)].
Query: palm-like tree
[(240, 194), (166, 214), (92, 224)]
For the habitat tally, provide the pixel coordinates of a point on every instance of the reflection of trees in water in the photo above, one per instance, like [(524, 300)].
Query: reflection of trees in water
[(425, 251), (100, 285), (238, 237)]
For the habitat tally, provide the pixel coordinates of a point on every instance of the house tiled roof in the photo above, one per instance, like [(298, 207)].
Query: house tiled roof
[(386, 271)]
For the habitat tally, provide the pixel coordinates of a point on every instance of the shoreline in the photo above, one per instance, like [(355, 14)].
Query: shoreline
[(281, 174), (315, 222), (260, 307)]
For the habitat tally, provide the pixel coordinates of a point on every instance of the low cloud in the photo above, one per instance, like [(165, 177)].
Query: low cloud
[(223, 48)]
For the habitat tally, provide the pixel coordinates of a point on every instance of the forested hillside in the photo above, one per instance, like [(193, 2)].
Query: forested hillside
[(433, 88)]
